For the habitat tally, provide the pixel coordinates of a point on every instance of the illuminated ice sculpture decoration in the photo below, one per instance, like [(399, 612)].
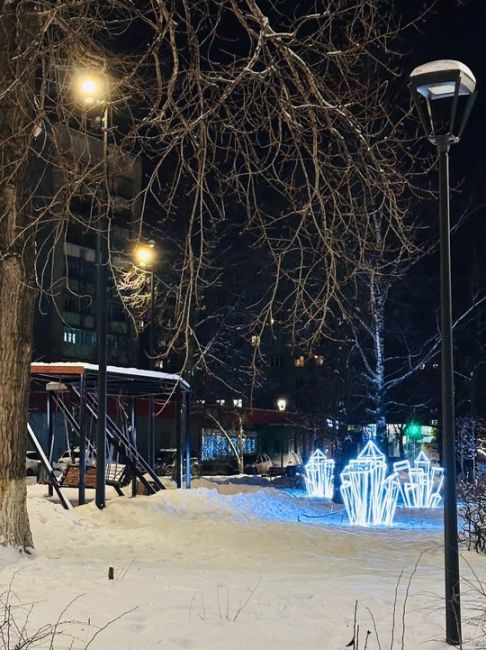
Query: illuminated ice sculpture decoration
[(420, 484), (319, 475), (369, 495)]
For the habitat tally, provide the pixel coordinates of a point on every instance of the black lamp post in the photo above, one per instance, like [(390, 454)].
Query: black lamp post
[(145, 256), (91, 90), (443, 94), (102, 333)]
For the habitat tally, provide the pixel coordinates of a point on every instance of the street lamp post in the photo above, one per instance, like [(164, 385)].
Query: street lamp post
[(91, 90), (145, 257), (443, 94), (282, 406)]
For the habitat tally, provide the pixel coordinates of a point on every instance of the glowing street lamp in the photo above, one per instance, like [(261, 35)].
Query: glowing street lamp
[(90, 89), (145, 257), (440, 89), (282, 404)]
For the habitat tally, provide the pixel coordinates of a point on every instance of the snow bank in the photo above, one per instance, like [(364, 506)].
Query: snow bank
[(229, 565)]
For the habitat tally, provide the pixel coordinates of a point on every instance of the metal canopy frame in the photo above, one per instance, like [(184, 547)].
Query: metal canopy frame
[(126, 381), (81, 379)]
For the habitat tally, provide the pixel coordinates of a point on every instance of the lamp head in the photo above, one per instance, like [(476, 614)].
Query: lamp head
[(145, 255), (439, 79), (90, 88), (436, 88)]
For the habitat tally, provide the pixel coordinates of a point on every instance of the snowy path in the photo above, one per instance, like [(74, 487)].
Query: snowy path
[(229, 569)]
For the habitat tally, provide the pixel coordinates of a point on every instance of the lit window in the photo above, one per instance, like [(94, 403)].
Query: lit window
[(319, 359), (220, 402), (255, 340), (77, 336), (299, 362), (71, 335), (238, 403)]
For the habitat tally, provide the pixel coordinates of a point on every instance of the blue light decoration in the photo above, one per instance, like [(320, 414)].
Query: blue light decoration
[(420, 484), (216, 445), (319, 475), (370, 496)]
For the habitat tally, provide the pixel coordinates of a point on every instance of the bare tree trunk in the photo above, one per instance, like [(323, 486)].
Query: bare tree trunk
[(15, 349), (241, 448), (378, 302), (17, 30)]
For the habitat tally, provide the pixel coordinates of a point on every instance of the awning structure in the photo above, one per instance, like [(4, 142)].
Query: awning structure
[(71, 388), (120, 381)]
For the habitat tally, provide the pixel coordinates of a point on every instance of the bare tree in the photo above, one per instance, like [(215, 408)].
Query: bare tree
[(277, 108), (287, 121), (387, 264), (40, 44), (17, 110)]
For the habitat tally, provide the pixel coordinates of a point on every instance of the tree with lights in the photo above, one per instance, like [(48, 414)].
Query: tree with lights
[(375, 328)]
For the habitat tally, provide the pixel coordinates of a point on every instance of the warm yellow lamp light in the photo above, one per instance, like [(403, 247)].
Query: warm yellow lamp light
[(144, 255), (90, 88)]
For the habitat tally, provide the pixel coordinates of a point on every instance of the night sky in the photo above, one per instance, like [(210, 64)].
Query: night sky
[(456, 29)]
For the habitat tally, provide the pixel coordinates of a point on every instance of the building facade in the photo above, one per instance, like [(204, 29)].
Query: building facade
[(65, 323)]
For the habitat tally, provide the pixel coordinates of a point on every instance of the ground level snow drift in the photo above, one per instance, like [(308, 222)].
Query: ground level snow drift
[(231, 565)]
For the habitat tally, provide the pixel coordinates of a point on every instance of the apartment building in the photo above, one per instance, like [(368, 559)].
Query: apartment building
[(65, 323)]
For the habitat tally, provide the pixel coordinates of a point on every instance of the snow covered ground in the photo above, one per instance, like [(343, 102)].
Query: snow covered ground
[(232, 564)]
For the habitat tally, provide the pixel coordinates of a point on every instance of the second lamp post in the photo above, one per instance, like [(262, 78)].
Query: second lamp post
[(91, 90), (145, 257)]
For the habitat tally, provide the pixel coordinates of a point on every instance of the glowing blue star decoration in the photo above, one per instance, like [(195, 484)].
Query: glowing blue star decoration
[(369, 495), (420, 484), (319, 475)]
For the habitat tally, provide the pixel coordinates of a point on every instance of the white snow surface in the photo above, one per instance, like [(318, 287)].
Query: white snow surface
[(233, 564)]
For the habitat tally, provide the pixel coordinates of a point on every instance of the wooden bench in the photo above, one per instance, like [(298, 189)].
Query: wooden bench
[(70, 477), (117, 476)]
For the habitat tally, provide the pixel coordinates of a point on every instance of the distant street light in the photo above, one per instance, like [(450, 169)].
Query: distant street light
[(145, 257), (282, 404), (436, 89), (91, 91)]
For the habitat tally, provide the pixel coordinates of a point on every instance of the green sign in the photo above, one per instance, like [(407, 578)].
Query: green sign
[(413, 431)]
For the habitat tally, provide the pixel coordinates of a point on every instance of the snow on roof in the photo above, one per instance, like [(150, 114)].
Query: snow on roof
[(78, 367)]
